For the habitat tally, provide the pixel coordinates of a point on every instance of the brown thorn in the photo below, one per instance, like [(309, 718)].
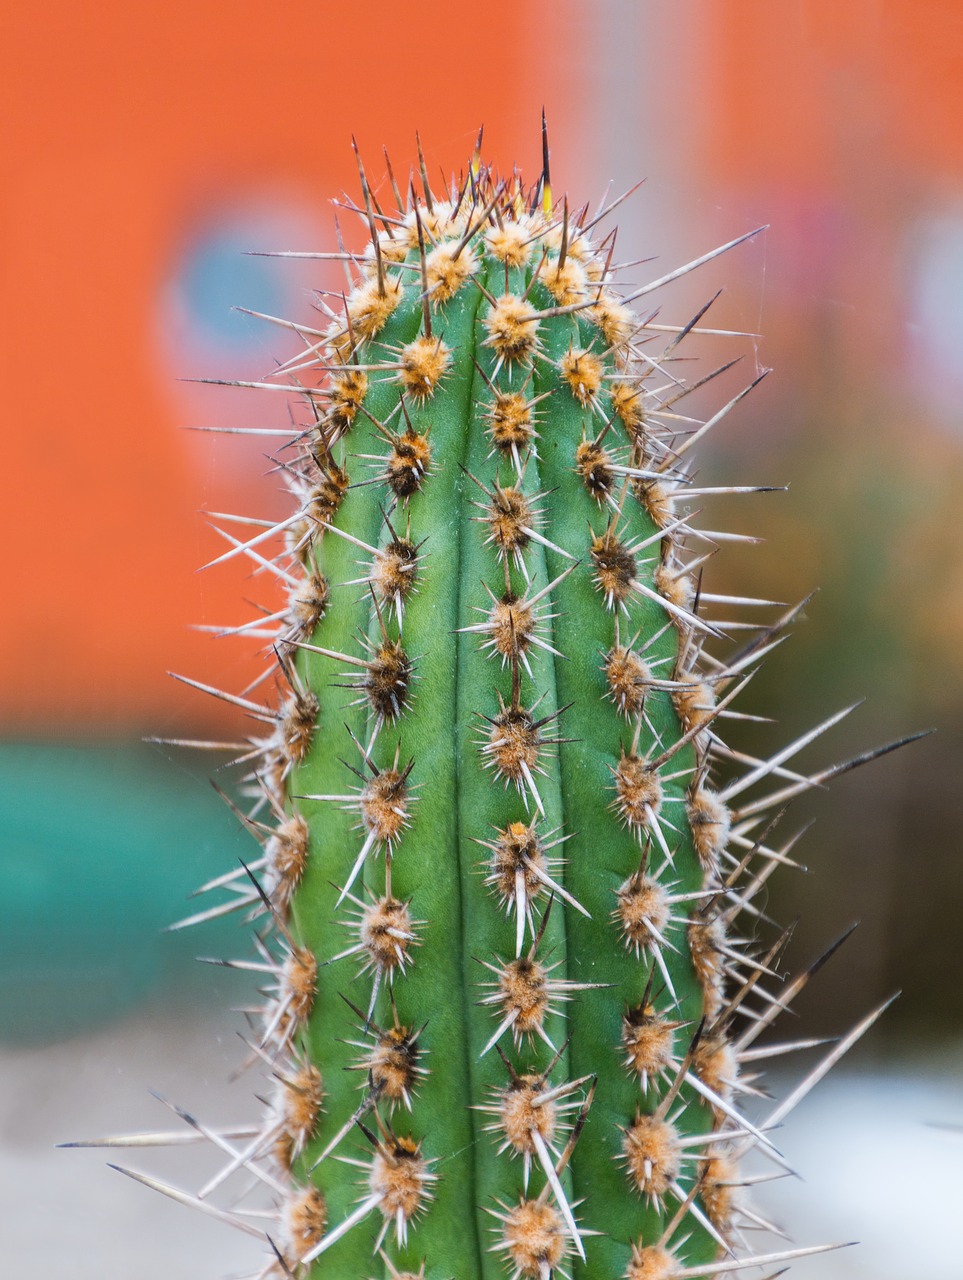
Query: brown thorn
[(516, 670), (370, 215), (337, 231), (825, 775), (687, 329), (279, 1259), (424, 174), (770, 633), (474, 226), (577, 1128), (425, 304), (792, 989), (545, 182), (507, 1064), (563, 248), (475, 162), (391, 179)]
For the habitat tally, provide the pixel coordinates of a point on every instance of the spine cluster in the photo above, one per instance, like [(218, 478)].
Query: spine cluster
[(509, 866)]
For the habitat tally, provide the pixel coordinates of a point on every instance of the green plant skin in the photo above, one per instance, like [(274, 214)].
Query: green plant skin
[(437, 864), (599, 865)]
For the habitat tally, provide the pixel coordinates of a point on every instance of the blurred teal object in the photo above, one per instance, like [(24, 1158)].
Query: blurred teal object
[(100, 848)]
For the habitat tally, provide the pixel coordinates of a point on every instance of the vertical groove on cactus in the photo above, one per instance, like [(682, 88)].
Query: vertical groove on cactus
[(508, 1000)]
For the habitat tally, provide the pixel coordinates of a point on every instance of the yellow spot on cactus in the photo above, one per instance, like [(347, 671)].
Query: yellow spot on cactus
[(582, 370), (627, 405), (424, 363), (534, 1238), (614, 320), (369, 308), (510, 243), (652, 1155), (512, 325), (650, 1262), (567, 283), (446, 273)]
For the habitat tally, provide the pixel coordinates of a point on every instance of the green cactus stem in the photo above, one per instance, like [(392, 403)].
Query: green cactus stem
[(509, 865)]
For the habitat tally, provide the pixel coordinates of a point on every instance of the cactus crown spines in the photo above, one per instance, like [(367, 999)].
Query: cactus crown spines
[(507, 1008)]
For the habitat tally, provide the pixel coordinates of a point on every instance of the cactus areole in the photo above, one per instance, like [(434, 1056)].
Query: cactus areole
[(509, 865)]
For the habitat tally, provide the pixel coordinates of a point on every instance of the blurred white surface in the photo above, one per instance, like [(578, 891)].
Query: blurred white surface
[(880, 1163), (66, 1207)]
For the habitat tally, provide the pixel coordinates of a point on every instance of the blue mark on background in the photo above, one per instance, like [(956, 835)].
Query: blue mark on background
[(219, 273)]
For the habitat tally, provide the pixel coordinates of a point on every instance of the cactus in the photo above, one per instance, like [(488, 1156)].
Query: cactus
[(508, 864)]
